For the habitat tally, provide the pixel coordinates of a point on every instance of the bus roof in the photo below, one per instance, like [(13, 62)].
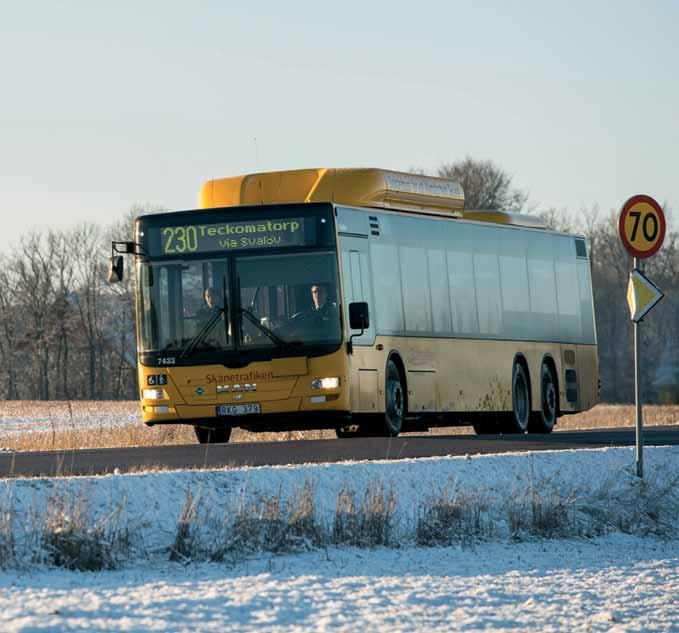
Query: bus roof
[(504, 217), (358, 187)]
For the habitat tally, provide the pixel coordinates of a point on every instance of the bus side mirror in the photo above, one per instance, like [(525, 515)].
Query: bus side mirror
[(359, 315), (115, 269)]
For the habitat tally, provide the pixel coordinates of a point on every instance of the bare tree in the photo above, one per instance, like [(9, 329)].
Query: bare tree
[(61, 244), (558, 220), (121, 331), (35, 292), (89, 270), (64, 332), (8, 330), (487, 187)]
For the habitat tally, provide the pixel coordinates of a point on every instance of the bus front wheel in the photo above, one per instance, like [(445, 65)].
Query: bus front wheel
[(395, 401), (212, 435)]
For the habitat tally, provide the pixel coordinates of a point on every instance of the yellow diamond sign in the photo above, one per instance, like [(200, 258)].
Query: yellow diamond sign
[(642, 295)]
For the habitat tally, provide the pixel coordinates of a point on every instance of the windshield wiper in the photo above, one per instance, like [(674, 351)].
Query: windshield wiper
[(277, 340), (198, 338), (225, 304), (204, 331), (262, 328)]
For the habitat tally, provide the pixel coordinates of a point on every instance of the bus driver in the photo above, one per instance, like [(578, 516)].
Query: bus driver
[(320, 306), (213, 305)]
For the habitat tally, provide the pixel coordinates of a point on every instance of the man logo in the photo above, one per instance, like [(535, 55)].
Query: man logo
[(200, 391)]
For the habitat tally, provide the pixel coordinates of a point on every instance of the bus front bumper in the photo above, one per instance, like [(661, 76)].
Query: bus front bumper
[(264, 422)]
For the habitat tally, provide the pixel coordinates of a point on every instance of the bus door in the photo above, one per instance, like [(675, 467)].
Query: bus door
[(357, 286)]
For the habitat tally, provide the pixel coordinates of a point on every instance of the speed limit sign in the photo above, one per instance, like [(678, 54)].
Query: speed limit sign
[(642, 230), (642, 226)]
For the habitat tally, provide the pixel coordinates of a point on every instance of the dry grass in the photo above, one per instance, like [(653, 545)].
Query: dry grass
[(66, 534), (366, 525), (7, 536), (65, 409), (73, 540), (618, 415), (136, 435), (100, 437), (65, 425), (453, 517), (279, 524), (261, 523)]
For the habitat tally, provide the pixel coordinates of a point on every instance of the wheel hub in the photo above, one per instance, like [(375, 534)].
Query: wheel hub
[(398, 400), (549, 402), (521, 400)]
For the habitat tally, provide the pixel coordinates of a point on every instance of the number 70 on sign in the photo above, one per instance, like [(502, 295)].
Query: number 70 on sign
[(642, 226)]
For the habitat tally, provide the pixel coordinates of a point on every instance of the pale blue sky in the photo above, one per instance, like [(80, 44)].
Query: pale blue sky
[(104, 106)]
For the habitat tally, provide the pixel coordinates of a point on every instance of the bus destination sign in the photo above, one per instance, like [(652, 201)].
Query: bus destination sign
[(226, 236)]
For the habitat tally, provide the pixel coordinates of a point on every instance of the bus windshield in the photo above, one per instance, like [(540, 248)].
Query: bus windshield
[(216, 309)]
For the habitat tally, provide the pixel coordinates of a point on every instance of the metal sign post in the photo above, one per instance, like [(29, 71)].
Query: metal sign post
[(639, 423), (642, 230)]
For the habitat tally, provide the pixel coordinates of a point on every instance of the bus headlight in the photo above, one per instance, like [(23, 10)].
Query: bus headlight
[(325, 383), (153, 394)]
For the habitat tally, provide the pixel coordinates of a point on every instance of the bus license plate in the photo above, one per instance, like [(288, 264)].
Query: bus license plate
[(237, 409)]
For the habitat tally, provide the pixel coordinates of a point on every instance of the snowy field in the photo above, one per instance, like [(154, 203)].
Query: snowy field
[(616, 583), (613, 573), (19, 416)]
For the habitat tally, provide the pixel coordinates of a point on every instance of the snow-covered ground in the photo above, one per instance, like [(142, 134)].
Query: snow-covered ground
[(618, 583), (153, 501), (17, 417)]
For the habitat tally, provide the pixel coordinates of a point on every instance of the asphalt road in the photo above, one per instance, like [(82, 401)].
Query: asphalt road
[(106, 460)]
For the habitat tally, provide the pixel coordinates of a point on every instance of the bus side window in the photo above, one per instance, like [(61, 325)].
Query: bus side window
[(416, 295), (487, 277), (440, 300), (388, 309), (462, 292)]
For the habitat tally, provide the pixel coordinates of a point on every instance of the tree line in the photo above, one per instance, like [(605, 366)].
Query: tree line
[(65, 333)]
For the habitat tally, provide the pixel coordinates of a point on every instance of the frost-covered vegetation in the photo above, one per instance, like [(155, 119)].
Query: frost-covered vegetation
[(46, 426), (227, 516)]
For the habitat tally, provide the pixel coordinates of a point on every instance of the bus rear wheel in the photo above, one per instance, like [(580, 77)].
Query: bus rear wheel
[(212, 435), (517, 420), (543, 421)]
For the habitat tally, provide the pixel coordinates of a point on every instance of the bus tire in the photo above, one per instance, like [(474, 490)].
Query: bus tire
[(517, 420), (394, 410), (212, 435), (543, 421)]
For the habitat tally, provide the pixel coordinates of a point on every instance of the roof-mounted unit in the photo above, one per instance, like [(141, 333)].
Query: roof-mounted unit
[(504, 217), (362, 187)]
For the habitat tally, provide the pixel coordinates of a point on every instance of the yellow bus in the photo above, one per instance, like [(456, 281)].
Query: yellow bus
[(364, 300)]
